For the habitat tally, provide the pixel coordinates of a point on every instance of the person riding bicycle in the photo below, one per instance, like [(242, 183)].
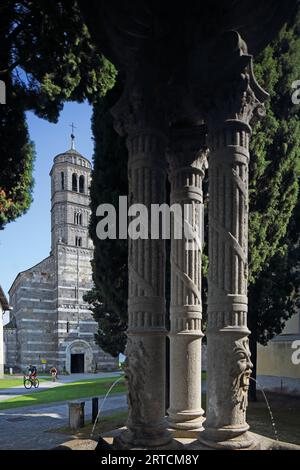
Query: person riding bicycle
[(32, 372)]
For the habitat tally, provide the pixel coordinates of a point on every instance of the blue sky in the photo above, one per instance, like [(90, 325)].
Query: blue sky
[(26, 241)]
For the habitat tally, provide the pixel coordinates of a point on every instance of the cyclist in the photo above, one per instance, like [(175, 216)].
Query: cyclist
[(32, 372)]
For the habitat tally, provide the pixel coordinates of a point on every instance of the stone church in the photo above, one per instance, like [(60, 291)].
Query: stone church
[(50, 324)]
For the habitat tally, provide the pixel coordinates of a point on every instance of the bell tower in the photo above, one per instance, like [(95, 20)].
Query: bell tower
[(72, 250), (70, 211)]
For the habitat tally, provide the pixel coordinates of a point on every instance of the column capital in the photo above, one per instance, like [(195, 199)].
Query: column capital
[(136, 112), (187, 148), (237, 99)]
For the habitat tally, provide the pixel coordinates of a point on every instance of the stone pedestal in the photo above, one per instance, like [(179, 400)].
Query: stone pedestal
[(76, 415), (187, 160)]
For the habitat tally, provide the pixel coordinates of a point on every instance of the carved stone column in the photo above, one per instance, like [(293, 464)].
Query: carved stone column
[(187, 163), (228, 355), (146, 343)]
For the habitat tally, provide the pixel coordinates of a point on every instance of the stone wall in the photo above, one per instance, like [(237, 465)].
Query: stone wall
[(276, 369), (10, 347), (34, 314)]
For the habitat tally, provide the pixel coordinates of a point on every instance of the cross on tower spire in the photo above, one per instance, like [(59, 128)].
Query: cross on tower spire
[(72, 136)]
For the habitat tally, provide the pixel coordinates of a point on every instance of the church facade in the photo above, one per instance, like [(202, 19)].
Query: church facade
[(50, 324)]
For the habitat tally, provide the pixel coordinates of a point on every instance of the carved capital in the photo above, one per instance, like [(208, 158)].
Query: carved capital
[(135, 112), (237, 98), (187, 149)]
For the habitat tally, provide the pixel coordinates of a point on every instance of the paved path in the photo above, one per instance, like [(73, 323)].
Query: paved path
[(13, 392), (28, 428)]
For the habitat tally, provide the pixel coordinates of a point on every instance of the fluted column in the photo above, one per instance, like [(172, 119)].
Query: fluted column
[(228, 355), (187, 163), (146, 334)]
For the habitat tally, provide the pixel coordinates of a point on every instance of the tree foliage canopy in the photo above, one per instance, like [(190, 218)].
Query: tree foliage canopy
[(46, 58), (274, 192)]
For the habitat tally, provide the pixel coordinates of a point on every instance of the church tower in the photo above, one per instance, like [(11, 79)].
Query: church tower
[(70, 212), (72, 250)]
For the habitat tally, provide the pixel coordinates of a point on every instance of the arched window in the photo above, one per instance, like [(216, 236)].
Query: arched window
[(78, 241), (77, 218), (81, 184), (74, 182), (62, 177)]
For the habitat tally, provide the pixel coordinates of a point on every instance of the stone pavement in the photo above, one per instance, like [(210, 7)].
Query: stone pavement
[(28, 428)]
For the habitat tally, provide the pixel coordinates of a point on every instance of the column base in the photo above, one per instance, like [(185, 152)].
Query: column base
[(143, 438), (228, 439), (185, 424)]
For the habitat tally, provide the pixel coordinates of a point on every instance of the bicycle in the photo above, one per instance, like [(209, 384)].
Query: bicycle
[(30, 382)]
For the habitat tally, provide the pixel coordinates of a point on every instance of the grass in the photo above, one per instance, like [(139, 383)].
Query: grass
[(66, 392), (15, 382)]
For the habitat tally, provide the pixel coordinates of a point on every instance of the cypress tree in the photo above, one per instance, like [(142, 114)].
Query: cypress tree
[(274, 192), (108, 299)]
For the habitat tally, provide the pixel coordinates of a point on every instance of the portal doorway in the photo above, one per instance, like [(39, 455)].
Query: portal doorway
[(77, 363), (79, 357)]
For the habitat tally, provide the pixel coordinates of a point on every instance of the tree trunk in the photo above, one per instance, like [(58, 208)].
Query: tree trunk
[(253, 349)]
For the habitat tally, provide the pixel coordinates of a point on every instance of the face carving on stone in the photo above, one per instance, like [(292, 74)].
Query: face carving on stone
[(241, 372)]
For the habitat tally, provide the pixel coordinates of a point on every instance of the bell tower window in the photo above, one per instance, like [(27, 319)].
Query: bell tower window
[(78, 241), (62, 179), (81, 184), (74, 182), (77, 218)]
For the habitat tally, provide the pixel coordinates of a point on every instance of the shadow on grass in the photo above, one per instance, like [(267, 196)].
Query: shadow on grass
[(7, 383)]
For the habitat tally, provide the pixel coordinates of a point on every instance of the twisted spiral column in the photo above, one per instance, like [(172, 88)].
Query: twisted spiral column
[(146, 334), (186, 171), (229, 365), (228, 356)]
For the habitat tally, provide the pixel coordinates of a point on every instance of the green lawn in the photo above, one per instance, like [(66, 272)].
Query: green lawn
[(14, 382), (68, 391)]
